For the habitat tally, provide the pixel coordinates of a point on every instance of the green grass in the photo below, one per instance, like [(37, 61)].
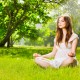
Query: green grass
[(23, 68)]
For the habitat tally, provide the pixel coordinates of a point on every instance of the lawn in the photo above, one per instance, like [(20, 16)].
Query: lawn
[(23, 68)]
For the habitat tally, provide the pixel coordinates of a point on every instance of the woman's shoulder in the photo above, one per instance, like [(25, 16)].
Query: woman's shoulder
[(73, 36)]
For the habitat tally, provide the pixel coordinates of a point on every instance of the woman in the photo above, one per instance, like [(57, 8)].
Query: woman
[(65, 43)]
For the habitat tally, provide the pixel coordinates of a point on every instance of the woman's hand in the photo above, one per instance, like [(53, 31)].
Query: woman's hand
[(71, 54), (36, 55)]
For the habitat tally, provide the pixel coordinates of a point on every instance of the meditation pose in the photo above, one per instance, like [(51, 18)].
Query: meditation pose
[(65, 44)]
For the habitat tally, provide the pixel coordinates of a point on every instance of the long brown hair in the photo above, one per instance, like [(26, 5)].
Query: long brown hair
[(68, 27)]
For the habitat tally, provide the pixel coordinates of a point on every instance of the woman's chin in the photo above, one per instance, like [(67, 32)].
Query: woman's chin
[(61, 27)]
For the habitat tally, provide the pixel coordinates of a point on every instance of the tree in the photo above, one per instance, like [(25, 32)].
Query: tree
[(15, 14)]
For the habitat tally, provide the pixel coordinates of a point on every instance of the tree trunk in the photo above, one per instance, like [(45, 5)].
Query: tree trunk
[(10, 31), (8, 42), (6, 38)]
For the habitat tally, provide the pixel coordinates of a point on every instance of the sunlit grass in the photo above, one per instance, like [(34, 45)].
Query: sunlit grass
[(26, 69), (22, 68)]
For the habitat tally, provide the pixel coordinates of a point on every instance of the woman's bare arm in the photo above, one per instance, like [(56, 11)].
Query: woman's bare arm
[(74, 46), (51, 54)]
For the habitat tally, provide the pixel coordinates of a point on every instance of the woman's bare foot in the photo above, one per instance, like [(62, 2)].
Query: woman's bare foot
[(36, 55)]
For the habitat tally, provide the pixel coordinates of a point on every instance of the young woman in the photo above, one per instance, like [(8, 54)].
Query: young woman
[(65, 43)]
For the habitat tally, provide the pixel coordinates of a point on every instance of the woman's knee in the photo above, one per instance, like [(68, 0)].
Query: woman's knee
[(73, 62), (37, 59), (71, 59), (42, 62)]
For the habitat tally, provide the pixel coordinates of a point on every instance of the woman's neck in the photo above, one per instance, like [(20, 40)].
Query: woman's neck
[(64, 32)]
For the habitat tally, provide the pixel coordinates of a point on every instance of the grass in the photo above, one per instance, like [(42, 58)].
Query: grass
[(23, 68)]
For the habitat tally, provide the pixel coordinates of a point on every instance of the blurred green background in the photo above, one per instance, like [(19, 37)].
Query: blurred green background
[(33, 22), (29, 26)]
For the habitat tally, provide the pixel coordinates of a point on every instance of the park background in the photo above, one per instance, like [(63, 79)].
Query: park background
[(29, 26)]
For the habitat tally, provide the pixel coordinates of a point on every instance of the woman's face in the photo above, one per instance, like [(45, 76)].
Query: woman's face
[(61, 22)]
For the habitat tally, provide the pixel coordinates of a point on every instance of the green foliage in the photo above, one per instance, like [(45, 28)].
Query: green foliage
[(15, 14), (28, 31), (3, 28), (23, 52)]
